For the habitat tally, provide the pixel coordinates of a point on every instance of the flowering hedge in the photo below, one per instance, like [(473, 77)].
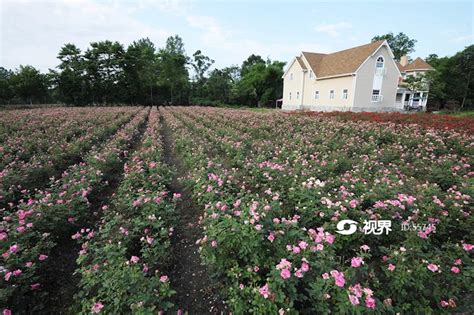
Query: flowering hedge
[(41, 143), (273, 188), (29, 231), (121, 262), (437, 121)]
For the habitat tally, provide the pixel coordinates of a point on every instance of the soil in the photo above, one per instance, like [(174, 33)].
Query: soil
[(196, 292)]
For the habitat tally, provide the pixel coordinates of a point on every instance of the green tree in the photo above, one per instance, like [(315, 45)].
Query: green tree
[(70, 79), (104, 68), (140, 72), (29, 85), (173, 76), (251, 61), (6, 91), (261, 83), (400, 44)]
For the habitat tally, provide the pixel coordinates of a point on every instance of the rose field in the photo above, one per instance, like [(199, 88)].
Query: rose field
[(201, 210)]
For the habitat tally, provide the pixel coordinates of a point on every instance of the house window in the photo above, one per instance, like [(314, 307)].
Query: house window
[(290, 95), (380, 62), (297, 95), (376, 96), (291, 76), (310, 73), (316, 95), (331, 94), (344, 94)]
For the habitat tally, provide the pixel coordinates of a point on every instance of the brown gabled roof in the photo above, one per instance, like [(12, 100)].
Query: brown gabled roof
[(341, 62), (400, 67), (301, 62), (417, 64)]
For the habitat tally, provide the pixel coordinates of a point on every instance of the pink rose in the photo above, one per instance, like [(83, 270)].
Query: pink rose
[(164, 278), (455, 269), (42, 257), (433, 267), (356, 262), (370, 302), (134, 259), (391, 267), (467, 247), (285, 273), (353, 299), (264, 291), (97, 307)]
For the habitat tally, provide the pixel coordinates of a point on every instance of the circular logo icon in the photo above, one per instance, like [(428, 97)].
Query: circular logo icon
[(341, 227)]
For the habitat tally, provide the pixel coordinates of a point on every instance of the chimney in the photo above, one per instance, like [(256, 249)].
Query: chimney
[(404, 61)]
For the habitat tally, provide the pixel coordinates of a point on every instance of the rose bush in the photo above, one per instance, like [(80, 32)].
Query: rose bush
[(273, 188), (121, 261), (30, 230)]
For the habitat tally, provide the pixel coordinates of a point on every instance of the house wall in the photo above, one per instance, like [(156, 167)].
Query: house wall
[(365, 80), (324, 103), (293, 86)]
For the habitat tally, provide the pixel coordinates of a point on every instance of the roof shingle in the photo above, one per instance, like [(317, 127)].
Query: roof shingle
[(341, 62), (417, 64)]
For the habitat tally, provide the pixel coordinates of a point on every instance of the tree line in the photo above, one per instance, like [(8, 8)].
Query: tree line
[(108, 73)]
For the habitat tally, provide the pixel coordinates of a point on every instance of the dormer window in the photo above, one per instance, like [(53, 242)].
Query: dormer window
[(380, 62)]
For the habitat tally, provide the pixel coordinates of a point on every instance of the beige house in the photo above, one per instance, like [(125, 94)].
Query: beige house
[(363, 78), (412, 99)]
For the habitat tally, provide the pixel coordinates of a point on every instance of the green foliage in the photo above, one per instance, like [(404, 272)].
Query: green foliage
[(452, 80), (400, 44)]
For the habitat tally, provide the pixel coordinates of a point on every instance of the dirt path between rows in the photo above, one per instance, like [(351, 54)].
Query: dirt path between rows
[(196, 293), (61, 282)]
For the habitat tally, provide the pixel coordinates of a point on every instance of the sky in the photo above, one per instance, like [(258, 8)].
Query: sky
[(33, 31)]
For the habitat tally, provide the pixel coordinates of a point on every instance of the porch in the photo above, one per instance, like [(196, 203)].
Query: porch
[(411, 101)]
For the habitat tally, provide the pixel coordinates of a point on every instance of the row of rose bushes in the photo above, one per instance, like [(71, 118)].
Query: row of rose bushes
[(274, 188), (30, 231), (33, 154), (121, 262), (438, 121)]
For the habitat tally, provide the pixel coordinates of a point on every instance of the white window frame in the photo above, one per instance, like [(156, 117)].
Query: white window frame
[(345, 95), (316, 95), (377, 62), (332, 94), (291, 76), (376, 97), (310, 73), (297, 95), (290, 96)]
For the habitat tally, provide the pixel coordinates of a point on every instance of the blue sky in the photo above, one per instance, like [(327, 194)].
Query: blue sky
[(32, 32)]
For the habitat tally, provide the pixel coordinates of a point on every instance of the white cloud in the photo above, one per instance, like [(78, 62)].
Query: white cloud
[(334, 29), (32, 32), (213, 31)]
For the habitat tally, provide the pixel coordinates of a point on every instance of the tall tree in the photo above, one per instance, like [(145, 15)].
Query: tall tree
[(140, 72), (6, 91), (261, 82), (400, 44), (251, 61), (104, 67), (29, 85), (173, 77), (71, 76)]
